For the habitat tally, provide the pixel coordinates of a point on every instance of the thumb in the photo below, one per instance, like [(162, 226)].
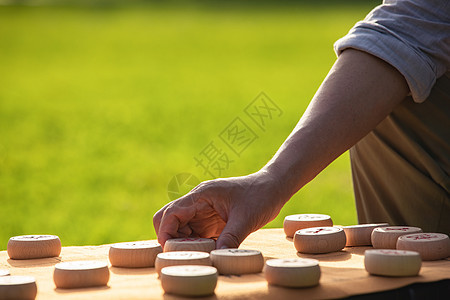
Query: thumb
[(233, 234)]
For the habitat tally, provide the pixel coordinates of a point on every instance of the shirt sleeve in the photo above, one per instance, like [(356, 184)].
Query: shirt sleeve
[(411, 35)]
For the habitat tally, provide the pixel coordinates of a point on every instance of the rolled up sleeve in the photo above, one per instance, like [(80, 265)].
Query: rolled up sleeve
[(412, 36)]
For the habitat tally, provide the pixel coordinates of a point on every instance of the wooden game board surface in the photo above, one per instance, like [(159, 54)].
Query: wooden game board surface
[(343, 274)]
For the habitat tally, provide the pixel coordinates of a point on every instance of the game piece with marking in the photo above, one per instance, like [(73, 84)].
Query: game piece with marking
[(360, 235), (176, 258), (293, 223), (4, 272), (140, 254), (33, 246), (191, 281), (237, 261), (390, 262), (386, 237), (18, 287), (190, 244), (292, 272), (319, 240), (81, 274), (431, 246)]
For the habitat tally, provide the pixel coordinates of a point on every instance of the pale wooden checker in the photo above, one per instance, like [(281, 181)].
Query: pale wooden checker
[(4, 272), (33, 246), (189, 280), (391, 262), (386, 237), (174, 258), (18, 287), (360, 235), (319, 240), (80, 274), (237, 261), (293, 272), (293, 223), (190, 244), (140, 254), (431, 246)]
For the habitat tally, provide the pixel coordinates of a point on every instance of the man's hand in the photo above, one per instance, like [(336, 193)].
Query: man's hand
[(229, 209)]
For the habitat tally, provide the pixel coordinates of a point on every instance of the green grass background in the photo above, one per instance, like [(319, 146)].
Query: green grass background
[(100, 106)]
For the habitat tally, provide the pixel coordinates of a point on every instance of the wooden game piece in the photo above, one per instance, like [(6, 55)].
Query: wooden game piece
[(360, 235), (237, 261), (319, 240), (4, 272), (386, 237), (431, 246), (18, 287), (80, 274), (33, 246), (190, 244), (293, 223), (134, 254), (176, 258), (191, 281), (390, 262), (292, 272)]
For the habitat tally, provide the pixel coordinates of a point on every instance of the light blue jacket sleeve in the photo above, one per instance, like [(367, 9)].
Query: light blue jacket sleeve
[(411, 35)]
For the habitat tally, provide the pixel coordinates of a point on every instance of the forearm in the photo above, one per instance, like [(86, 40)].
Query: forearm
[(358, 93)]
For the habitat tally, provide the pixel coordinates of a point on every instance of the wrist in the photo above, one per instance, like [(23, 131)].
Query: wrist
[(274, 181)]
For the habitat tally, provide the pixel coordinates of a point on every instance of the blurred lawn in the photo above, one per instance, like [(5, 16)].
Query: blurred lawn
[(101, 107)]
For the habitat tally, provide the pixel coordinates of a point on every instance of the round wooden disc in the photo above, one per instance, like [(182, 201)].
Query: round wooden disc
[(140, 254), (431, 246), (192, 281), (79, 274), (389, 262), (18, 287), (175, 258), (190, 244), (386, 237), (293, 223), (4, 272), (319, 240), (293, 272), (33, 246), (360, 235), (237, 261)]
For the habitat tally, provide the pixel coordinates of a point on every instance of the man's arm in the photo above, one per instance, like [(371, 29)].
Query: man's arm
[(358, 93)]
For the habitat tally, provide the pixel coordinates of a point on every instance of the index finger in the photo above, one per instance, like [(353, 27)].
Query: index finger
[(158, 216), (174, 217)]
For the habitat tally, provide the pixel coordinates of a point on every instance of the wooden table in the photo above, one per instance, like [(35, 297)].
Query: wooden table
[(343, 274)]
